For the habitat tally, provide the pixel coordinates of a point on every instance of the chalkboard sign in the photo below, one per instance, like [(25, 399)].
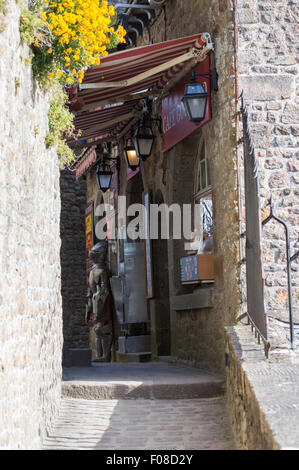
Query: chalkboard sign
[(189, 269)]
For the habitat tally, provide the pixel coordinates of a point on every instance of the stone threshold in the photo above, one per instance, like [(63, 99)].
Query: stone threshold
[(151, 380)]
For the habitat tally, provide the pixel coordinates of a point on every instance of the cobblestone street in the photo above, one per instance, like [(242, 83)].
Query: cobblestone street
[(191, 416), (195, 424)]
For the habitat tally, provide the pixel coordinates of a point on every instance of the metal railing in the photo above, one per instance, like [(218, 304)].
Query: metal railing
[(289, 259)]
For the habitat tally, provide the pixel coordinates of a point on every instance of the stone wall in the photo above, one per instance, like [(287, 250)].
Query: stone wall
[(251, 429), (262, 393), (268, 75), (73, 260), (30, 301)]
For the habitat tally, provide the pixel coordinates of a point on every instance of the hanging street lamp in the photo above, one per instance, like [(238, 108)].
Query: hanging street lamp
[(131, 156), (196, 97), (195, 102), (144, 140), (104, 176), (104, 172)]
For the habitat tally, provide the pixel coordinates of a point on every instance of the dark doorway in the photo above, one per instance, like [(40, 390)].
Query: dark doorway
[(161, 320)]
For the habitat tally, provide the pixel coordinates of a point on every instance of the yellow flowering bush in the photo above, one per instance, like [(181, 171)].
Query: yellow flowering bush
[(68, 36)]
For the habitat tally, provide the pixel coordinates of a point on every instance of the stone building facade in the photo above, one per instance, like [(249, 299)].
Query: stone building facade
[(197, 333), (30, 299), (193, 335), (254, 44)]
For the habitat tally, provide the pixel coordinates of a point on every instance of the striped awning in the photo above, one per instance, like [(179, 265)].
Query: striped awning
[(108, 120), (110, 94), (137, 69)]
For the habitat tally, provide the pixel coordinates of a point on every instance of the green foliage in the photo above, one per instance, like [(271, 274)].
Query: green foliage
[(29, 24), (42, 67), (65, 154), (60, 121), (3, 8)]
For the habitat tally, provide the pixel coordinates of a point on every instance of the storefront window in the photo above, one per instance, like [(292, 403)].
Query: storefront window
[(203, 223)]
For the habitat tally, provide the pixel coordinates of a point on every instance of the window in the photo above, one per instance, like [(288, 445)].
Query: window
[(203, 220)]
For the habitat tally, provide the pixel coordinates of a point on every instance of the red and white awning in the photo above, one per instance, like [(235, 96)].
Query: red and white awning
[(108, 120), (109, 97), (138, 69)]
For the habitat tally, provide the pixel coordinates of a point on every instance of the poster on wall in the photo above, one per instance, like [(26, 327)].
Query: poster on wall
[(89, 236), (148, 247), (131, 173)]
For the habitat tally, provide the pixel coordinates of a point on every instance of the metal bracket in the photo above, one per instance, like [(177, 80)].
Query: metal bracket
[(206, 37)]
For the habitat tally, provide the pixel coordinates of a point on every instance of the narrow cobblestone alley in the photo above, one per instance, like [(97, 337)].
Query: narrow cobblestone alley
[(191, 423)]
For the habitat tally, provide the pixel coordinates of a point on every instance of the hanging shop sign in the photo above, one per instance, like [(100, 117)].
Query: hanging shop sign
[(88, 235), (131, 173), (89, 226), (114, 187), (175, 123)]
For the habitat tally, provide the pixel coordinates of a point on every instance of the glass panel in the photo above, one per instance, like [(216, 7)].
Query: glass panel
[(105, 181), (197, 107), (132, 158), (195, 88), (145, 146), (207, 216)]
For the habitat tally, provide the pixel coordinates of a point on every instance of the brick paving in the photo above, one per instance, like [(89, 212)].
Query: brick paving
[(142, 424)]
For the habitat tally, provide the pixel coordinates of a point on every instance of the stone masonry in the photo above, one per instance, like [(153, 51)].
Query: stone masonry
[(268, 75), (30, 301), (262, 393), (73, 261)]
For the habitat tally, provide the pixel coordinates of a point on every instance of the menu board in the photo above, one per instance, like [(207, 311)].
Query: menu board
[(189, 269)]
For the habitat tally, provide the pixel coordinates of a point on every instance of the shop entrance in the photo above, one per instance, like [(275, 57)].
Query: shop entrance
[(129, 291)]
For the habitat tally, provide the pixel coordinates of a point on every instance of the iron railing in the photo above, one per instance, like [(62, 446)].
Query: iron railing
[(289, 260)]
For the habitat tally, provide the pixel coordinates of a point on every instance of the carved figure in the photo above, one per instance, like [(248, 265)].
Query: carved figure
[(100, 302)]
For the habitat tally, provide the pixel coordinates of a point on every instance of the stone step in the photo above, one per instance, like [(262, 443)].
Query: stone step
[(151, 380), (133, 357)]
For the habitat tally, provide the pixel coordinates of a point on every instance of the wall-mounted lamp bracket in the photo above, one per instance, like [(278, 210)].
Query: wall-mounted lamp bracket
[(213, 77)]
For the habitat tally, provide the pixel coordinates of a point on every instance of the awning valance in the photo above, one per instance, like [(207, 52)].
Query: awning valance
[(86, 161)]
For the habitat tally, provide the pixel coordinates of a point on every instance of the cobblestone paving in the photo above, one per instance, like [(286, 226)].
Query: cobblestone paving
[(194, 424)]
